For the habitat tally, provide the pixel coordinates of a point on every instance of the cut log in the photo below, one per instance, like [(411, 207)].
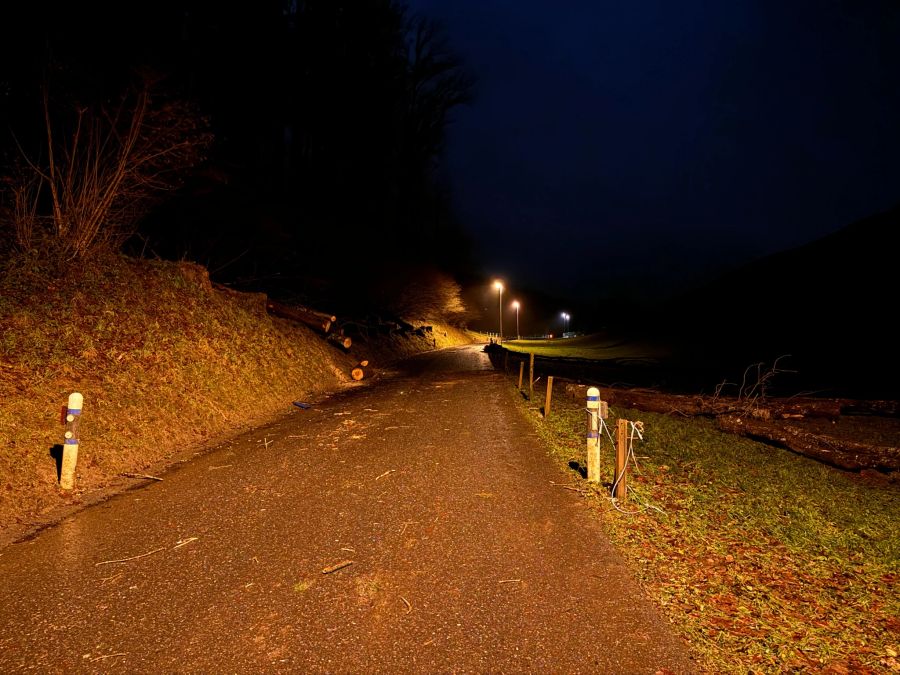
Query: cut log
[(841, 453), (363, 363), (357, 373), (310, 317), (340, 340)]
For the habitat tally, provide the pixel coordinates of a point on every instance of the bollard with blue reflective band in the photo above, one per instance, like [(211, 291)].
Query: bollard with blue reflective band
[(593, 435), (70, 447)]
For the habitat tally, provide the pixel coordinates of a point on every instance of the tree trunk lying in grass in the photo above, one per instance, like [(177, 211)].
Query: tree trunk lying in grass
[(312, 318), (770, 408), (691, 406), (838, 452)]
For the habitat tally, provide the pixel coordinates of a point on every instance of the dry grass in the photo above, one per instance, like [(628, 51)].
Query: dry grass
[(165, 364), (763, 560)]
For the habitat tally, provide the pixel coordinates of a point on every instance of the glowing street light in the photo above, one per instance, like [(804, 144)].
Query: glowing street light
[(516, 305), (566, 318), (499, 287)]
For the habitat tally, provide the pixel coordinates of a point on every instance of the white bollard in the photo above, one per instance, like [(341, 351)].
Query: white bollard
[(70, 446), (593, 435)]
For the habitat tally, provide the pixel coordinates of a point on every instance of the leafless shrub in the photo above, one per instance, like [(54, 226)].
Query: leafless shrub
[(102, 168), (755, 383)]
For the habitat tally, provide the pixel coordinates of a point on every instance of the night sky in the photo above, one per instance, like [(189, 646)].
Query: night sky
[(646, 146)]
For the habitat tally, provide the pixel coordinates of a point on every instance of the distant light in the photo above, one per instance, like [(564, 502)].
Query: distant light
[(498, 285), (515, 304)]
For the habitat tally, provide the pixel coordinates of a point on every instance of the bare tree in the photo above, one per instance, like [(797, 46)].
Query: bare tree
[(102, 168)]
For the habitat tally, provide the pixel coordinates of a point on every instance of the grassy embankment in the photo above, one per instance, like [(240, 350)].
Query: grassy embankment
[(765, 561), (165, 363)]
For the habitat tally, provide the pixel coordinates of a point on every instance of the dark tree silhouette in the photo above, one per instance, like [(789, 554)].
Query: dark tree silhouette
[(329, 117)]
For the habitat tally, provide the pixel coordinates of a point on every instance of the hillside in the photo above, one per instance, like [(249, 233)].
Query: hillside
[(167, 365), (827, 308)]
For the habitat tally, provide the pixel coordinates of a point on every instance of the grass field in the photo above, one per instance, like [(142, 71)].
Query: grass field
[(763, 560), (598, 347)]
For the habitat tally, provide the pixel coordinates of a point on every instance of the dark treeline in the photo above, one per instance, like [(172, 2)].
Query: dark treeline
[(328, 119)]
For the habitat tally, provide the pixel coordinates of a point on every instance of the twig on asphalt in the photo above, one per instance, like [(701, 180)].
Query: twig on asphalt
[(108, 656), (407, 524), (406, 602), (338, 566), (184, 542), (221, 466), (386, 473), (349, 550), (509, 581), (134, 557), (140, 475)]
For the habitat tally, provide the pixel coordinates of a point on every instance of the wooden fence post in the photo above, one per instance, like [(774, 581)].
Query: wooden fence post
[(531, 376), (548, 397), (521, 372), (621, 457)]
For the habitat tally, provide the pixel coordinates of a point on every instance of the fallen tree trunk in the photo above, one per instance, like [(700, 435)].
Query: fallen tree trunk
[(310, 317), (845, 454), (691, 406)]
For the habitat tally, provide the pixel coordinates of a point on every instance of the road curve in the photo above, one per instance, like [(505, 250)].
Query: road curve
[(466, 558)]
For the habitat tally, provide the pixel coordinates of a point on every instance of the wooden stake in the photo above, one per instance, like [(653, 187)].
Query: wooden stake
[(521, 372), (531, 376), (621, 455), (548, 397)]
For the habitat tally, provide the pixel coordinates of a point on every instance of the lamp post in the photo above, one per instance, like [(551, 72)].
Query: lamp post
[(499, 288), (516, 305), (566, 318)]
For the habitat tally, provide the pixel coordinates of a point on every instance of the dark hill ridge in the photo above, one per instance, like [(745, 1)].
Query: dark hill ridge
[(829, 308)]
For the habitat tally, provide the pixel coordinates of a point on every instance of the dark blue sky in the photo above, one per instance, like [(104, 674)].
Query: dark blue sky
[(642, 144)]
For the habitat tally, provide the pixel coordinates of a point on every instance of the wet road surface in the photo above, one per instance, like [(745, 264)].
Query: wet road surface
[(465, 556)]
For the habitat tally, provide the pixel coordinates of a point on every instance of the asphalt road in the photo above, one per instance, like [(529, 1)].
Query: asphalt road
[(466, 557)]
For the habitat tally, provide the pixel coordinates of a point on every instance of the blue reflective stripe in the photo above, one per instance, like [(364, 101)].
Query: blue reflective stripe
[(593, 398), (593, 434), (73, 411), (71, 441)]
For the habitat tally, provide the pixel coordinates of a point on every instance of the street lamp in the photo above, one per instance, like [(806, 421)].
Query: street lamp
[(566, 318), (499, 288), (516, 305)]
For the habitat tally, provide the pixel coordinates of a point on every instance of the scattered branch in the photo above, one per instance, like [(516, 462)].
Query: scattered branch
[(134, 557)]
